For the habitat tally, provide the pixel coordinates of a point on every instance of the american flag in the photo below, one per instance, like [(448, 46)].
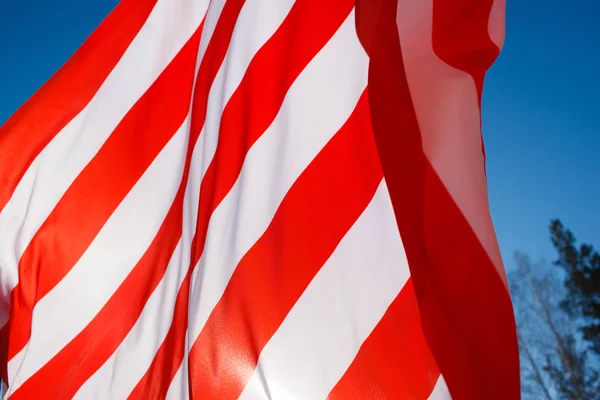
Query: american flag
[(258, 199)]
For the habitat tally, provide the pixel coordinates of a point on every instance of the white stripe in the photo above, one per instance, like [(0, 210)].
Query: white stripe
[(323, 332), (215, 8), (496, 22), (168, 27), (440, 391), (65, 311), (316, 106)]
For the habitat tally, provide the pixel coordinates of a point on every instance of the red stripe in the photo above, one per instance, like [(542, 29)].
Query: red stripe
[(314, 216), (158, 115), (250, 111), (99, 189), (465, 308), (395, 361), (36, 123), (63, 97)]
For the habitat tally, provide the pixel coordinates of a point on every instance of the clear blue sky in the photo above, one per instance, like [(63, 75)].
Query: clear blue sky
[(541, 108)]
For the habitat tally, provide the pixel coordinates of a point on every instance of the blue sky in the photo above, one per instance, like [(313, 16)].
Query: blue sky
[(541, 117), (541, 106)]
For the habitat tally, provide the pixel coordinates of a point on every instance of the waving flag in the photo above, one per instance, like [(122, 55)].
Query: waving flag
[(261, 200)]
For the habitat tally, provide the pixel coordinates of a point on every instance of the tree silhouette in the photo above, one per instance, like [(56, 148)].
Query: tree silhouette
[(553, 364), (582, 266)]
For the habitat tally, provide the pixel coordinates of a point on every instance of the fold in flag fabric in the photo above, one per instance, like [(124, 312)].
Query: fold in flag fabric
[(257, 199)]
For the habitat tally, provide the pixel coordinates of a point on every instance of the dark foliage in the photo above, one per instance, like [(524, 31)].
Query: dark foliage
[(582, 266)]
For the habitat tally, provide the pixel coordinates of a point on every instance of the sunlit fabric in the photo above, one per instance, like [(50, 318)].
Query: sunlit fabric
[(259, 200)]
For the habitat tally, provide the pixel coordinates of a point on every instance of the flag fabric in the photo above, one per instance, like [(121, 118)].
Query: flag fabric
[(222, 199), (427, 65)]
